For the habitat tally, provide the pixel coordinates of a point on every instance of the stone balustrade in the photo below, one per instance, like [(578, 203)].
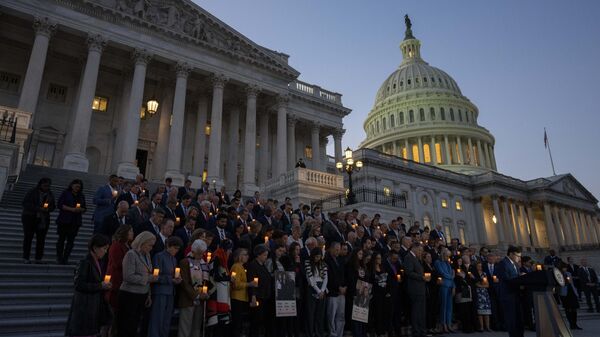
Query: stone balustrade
[(315, 91), (303, 183)]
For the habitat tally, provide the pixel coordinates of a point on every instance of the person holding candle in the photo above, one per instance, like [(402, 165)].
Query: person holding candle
[(464, 296), (71, 205), (569, 297), (38, 203), (134, 293), (239, 290), (121, 244), (483, 303), (415, 287), (316, 274), (104, 199), (218, 308), (379, 307), (191, 298), (432, 294), (261, 294), (444, 270), (163, 290), (89, 311)]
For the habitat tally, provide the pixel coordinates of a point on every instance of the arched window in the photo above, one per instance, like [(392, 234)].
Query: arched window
[(432, 113), (415, 153), (392, 121), (467, 116), (377, 126), (422, 115), (411, 116), (401, 117), (404, 153), (408, 81), (384, 126), (460, 119), (426, 153), (452, 114), (442, 114), (438, 152)]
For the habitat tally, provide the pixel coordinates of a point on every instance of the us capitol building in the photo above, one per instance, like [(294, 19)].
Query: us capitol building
[(164, 88)]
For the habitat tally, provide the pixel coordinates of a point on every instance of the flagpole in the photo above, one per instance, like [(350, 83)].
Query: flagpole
[(549, 150)]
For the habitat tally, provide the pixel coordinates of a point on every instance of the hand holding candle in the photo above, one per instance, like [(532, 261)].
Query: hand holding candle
[(208, 256), (106, 278), (177, 219), (427, 277), (439, 280), (46, 205), (115, 193), (255, 280), (495, 279), (538, 267), (78, 205), (155, 272), (204, 290), (398, 277), (484, 280), (177, 272)]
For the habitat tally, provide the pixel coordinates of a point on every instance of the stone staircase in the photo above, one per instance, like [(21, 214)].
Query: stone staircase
[(35, 299)]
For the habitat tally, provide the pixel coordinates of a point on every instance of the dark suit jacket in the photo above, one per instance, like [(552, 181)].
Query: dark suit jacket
[(104, 202), (331, 234), (147, 226), (125, 196), (136, 217), (169, 214), (217, 240), (335, 275), (182, 191), (159, 246), (111, 223), (413, 269), (506, 271), (585, 278)]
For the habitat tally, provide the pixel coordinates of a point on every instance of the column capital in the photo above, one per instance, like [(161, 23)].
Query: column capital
[(219, 80), (316, 127), (44, 26), (183, 69), (141, 56), (338, 133), (291, 120), (252, 90), (282, 100), (96, 42)]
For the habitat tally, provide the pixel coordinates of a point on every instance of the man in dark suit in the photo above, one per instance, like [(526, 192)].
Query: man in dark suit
[(508, 293), (220, 231), (336, 290), (157, 200), (551, 259), (265, 218), (126, 194), (138, 213), (186, 189), (113, 221), (574, 270), (185, 234), (489, 268), (153, 224), (589, 284), (166, 230), (415, 287), (205, 216), (104, 199), (331, 231)]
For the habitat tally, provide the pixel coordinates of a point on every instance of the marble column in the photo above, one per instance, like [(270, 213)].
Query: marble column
[(483, 235), (508, 224), (200, 138), (520, 228), (472, 157), (480, 154), (250, 141), (433, 152), (159, 164), (176, 137), (76, 143), (264, 160), (580, 229), (553, 235), (216, 121), (460, 151), (492, 157), (499, 221), (565, 226), (337, 141), (291, 142), (234, 140), (281, 156), (595, 238), (487, 156), (127, 167), (585, 229), (449, 154), (408, 149), (316, 159), (44, 28), (529, 217), (421, 152)]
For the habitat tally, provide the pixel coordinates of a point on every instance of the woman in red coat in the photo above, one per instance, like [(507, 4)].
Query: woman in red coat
[(119, 247)]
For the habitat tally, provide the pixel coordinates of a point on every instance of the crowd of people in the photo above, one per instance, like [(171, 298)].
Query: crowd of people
[(207, 264)]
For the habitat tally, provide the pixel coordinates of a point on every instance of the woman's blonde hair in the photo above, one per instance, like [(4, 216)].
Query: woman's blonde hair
[(141, 239)]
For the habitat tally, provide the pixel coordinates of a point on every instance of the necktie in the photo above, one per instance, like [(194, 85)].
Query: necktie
[(221, 234), (122, 220)]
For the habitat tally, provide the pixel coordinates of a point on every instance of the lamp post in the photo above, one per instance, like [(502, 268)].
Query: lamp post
[(349, 167)]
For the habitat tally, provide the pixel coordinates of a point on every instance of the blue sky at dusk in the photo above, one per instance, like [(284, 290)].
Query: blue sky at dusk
[(526, 64)]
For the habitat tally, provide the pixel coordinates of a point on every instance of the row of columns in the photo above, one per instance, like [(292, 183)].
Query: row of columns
[(169, 143), (515, 222), (571, 227), (482, 150)]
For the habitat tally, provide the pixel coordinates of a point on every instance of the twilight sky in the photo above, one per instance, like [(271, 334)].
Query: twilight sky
[(526, 64)]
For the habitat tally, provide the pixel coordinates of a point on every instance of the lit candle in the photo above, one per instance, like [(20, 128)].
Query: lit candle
[(439, 280), (484, 280), (177, 272), (569, 279), (470, 274), (46, 205), (156, 271), (427, 277), (257, 303), (210, 214), (204, 289), (266, 239), (78, 205), (458, 270), (398, 277), (208, 256), (114, 192), (136, 202), (538, 267), (256, 280), (401, 271), (248, 228), (233, 274), (495, 279), (238, 216), (106, 278), (458, 253), (177, 219)]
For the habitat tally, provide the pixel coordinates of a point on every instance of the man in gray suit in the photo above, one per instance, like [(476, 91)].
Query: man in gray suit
[(415, 287)]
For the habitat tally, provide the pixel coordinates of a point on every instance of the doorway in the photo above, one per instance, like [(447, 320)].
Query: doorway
[(141, 158)]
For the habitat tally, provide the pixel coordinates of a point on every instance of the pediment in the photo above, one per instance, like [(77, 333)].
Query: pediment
[(572, 187), (184, 20)]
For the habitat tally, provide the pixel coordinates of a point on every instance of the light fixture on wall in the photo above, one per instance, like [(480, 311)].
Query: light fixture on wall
[(494, 219), (152, 104)]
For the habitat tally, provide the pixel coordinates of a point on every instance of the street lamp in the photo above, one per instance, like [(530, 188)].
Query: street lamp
[(349, 167)]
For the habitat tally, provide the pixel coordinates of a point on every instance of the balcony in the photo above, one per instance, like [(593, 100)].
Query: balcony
[(303, 185), (315, 92)]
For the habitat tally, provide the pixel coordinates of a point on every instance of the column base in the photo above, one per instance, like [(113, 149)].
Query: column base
[(215, 182), (76, 162), (196, 181), (176, 176), (128, 170), (248, 189)]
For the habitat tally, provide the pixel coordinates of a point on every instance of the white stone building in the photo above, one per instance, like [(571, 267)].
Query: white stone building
[(87, 73)]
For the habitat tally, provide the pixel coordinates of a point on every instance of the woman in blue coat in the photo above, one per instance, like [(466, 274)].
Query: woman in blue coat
[(444, 269)]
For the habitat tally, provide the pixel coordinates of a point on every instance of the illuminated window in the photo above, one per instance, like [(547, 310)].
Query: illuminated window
[(444, 203), (404, 153), (432, 113), (458, 206), (387, 191), (447, 230), (438, 152), (426, 153), (207, 129), (421, 115), (458, 154), (463, 238), (415, 153), (308, 152), (143, 112), (99, 103), (204, 175)]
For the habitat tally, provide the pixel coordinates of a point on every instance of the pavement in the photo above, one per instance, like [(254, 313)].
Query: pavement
[(591, 328)]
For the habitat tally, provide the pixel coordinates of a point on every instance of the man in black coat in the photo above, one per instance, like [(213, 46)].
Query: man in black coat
[(185, 234), (589, 284), (415, 287), (186, 189), (138, 213), (336, 290), (220, 231), (153, 224), (115, 219), (260, 292)]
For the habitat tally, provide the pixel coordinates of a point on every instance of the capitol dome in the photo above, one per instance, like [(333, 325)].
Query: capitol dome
[(420, 114)]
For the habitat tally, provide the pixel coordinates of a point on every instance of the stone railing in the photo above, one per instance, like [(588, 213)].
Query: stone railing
[(305, 176), (316, 92)]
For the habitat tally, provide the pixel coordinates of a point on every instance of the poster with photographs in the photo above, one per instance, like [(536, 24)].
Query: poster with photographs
[(360, 307), (285, 294)]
